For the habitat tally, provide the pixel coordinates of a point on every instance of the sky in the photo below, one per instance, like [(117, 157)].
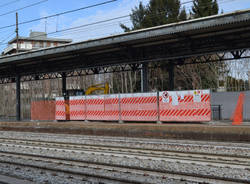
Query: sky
[(53, 26)]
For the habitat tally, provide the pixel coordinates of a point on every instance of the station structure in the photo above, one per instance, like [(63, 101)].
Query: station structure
[(210, 39)]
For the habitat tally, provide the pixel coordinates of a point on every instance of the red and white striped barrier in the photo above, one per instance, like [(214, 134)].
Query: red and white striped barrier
[(77, 108), (95, 107), (60, 109), (193, 105), (181, 106), (111, 107), (139, 107)]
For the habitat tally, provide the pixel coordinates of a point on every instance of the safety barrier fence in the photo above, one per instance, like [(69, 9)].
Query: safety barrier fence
[(182, 106), (44, 109)]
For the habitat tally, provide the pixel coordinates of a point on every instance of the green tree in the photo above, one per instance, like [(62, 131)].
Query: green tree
[(157, 12), (203, 8), (138, 18)]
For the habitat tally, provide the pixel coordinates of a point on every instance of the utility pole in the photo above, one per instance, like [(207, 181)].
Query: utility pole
[(18, 83), (17, 45)]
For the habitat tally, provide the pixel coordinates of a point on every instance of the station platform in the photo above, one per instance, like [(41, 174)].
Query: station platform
[(212, 131)]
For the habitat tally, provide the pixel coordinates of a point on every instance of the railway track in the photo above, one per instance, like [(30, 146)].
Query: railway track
[(133, 141), (35, 136), (95, 162), (200, 158), (123, 140), (105, 172)]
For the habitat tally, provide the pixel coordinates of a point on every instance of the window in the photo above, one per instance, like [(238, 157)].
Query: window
[(41, 44), (36, 44)]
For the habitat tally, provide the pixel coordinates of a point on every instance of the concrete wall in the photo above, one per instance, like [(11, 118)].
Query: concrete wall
[(228, 100)]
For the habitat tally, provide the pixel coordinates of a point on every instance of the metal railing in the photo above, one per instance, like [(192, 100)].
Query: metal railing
[(216, 112)]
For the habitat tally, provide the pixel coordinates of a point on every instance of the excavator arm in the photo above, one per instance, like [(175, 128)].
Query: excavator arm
[(97, 87)]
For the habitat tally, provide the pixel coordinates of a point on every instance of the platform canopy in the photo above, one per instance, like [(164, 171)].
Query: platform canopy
[(224, 32)]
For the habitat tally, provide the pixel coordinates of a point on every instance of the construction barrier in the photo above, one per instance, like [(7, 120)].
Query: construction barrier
[(139, 107), (193, 105), (111, 107), (94, 107), (77, 108), (43, 110), (184, 106), (60, 109)]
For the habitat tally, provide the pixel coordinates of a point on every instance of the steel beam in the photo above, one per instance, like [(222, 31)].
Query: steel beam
[(209, 58), (144, 77), (18, 98)]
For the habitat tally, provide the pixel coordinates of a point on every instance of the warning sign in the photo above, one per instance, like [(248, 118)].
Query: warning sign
[(165, 97), (197, 96)]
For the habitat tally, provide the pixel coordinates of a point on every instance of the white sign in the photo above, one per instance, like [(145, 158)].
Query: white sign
[(165, 97)]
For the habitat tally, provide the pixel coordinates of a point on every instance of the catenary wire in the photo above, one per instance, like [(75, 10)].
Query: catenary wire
[(7, 38), (86, 25), (28, 6), (70, 11), (58, 14), (94, 23), (6, 4)]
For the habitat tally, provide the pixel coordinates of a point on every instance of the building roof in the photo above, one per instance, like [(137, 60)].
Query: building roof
[(225, 32), (40, 36)]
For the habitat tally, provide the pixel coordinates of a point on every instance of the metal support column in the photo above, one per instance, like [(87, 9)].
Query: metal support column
[(64, 88), (144, 77), (171, 77), (66, 97), (18, 98)]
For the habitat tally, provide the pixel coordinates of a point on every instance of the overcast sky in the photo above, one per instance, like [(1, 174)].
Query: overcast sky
[(83, 17)]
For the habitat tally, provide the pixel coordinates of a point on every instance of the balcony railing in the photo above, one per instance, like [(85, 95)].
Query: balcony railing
[(21, 46)]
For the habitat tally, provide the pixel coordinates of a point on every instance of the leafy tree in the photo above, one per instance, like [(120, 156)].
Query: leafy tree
[(157, 12), (137, 17), (203, 8)]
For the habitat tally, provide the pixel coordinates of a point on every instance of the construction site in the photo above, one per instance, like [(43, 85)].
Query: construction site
[(167, 103)]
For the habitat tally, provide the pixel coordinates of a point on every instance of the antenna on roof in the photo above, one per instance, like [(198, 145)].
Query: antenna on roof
[(17, 46), (45, 24), (57, 23)]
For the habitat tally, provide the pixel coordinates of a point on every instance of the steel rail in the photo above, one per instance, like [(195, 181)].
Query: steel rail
[(162, 173)]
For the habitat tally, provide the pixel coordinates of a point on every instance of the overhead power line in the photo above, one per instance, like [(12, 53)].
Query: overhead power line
[(58, 14), (100, 22), (28, 6), (106, 20), (90, 24), (6, 4), (91, 6), (7, 37)]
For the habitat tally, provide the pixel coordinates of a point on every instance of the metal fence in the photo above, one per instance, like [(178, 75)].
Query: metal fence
[(216, 112)]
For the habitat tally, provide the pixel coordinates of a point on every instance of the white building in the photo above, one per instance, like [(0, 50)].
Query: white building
[(36, 40)]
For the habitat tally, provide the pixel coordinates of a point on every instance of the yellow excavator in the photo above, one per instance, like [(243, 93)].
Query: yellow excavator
[(96, 87), (78, 92)]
